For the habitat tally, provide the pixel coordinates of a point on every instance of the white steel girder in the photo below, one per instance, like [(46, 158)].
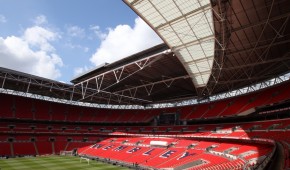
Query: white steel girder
[(119, 77)]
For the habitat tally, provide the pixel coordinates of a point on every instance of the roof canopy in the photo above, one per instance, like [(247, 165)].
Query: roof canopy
[(187, 27)]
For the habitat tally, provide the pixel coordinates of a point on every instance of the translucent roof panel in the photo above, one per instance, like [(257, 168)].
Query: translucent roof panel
[(187, 28), (187, 6)]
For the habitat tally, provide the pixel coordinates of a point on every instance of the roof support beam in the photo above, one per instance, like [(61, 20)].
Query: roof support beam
[(28, 86), (72, 94), (262, 32), (33, 81), (141, 67), (99, 81), (222, 40), (119, 76), (285, 57), (91, 92), (258, 47), (158, 56), (167, 82), (261, 22), (4, 80)]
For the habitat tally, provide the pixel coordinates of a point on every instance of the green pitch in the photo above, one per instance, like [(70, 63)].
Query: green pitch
[(54, 163)]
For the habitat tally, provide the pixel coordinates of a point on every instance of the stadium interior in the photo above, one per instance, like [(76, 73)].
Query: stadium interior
[(214, 95)]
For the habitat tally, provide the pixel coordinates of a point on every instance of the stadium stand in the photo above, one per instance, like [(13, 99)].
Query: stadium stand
[(222, 110), (54, 137)]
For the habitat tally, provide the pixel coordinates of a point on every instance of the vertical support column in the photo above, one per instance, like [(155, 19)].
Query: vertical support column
[(12, 149), (3, 83), (52, 147), (36, 149)]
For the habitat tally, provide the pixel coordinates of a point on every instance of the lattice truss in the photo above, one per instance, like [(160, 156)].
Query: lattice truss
[(255, 36), (98, 86)]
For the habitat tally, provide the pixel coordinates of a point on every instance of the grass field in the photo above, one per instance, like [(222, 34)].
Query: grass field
[(54, 163)]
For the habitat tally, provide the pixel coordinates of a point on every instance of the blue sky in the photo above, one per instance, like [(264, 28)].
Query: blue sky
[(60, 39)]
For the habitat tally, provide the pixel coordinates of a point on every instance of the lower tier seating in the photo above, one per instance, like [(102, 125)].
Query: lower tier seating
[(167, 153)]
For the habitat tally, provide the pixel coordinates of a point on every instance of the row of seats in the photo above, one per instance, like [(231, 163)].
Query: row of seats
[(40, 145), (230, 129), (27, 108), (237, 105)]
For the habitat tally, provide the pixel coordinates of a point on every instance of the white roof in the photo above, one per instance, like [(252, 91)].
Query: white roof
[(187, 27)]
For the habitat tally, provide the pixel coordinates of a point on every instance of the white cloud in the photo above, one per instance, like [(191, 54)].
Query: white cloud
[(97, 31), (2, 19), (40, 37), (31, 53), (123, 41), (76, 31), (39, 20)]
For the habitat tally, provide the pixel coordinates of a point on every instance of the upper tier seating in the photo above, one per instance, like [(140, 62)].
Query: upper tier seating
[(27, 108)]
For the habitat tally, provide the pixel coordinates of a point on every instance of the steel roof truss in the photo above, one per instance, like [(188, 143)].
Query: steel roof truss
[(92, 92), (149, 84), (168, 83), (154, 58), (141, 67), (118, 77), (99, 81), (27, 89), (4, 80)]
